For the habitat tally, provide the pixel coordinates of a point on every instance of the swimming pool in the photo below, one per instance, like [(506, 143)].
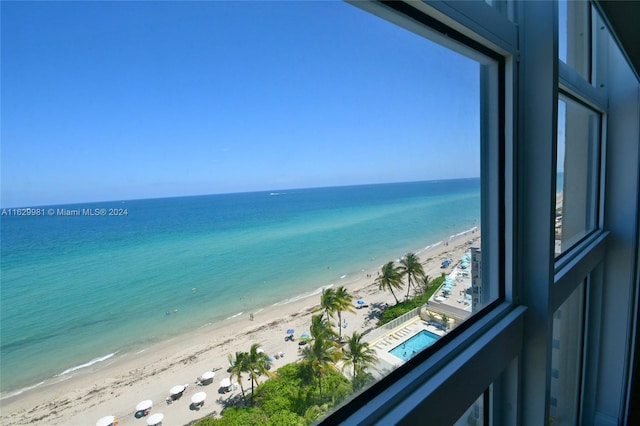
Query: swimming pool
[(406, 350)]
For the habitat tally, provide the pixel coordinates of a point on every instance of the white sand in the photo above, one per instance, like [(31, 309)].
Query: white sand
[(116, 386)]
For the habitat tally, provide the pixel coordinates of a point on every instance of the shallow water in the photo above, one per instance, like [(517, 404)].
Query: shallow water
[(76, 290)]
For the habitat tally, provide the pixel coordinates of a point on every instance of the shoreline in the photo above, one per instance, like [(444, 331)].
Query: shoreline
[(114, 385)]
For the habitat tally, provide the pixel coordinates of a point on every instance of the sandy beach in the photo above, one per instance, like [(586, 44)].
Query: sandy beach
[(115, 386)]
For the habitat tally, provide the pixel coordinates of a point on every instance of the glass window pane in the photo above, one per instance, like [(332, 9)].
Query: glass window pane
[(302, 176), (574, 44), (505, 7), (474, 416), (577, 172), (566, 359)]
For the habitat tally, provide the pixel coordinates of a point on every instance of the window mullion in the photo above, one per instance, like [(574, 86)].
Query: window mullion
[(576, 270), (537, 116), (573, 83)]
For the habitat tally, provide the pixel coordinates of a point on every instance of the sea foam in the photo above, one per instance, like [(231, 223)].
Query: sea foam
[(87, 364)]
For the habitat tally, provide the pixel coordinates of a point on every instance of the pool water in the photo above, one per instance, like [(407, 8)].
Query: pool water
[(408, 349)]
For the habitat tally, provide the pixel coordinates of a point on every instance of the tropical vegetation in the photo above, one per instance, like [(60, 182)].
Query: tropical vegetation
[(359, 357), (237, 366), (411, 268), (256, 364), (390, 278), (399, 309), (322, 353), (335, 302), (445, 321), (327, 301), (343, 301), (302, 393)]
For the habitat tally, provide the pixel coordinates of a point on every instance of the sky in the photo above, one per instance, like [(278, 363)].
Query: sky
[(128, 100)]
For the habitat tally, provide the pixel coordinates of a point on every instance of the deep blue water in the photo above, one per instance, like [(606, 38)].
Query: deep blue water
[(77, 289)]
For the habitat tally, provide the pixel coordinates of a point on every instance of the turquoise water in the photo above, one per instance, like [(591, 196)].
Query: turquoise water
[(407, 350), (77, 290)]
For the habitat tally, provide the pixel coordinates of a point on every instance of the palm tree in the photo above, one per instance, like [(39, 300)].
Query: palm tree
[(237, 367), (358, 355), (327, 301), (390, 279), (342, 301), (445, 321), (321, 355), (411, 268), (321, 328), (426, 283), (256, 362)]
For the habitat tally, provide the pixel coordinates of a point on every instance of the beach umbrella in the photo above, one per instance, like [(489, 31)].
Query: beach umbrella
[(290, 331), (304, 336), (260, 351), (360, 302), (176, 390), (155, 419), (225, 383), (144, 405), (198, 398), (106, 421), (208, 375)]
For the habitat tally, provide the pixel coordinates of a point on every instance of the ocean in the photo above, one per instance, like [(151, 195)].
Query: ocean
[(80, 289)]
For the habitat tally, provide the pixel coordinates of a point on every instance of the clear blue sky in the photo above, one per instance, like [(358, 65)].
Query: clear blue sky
[(110, 101)]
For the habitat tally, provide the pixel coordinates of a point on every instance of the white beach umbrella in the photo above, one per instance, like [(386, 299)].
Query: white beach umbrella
[(155, 419), (106, 421), (208, 375), (198, 398), (225, 383), (260, 351), (176, 390), (144, 405)]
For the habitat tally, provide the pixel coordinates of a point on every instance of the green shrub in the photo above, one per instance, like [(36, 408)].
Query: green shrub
[(235, 416), (286, 418), (402, 308), (290, 399)]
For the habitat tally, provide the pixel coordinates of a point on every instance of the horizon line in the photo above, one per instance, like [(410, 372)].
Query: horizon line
[(273, 190)]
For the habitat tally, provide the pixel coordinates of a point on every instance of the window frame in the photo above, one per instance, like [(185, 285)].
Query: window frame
[(517, 331), (496, 331)]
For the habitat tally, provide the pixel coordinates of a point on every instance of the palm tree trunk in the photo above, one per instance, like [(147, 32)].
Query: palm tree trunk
[(408, 287), (340, 324), (252, 391), (394, 295)]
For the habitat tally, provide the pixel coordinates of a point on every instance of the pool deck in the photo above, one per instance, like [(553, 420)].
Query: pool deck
[(457, 298), (383, 344)]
